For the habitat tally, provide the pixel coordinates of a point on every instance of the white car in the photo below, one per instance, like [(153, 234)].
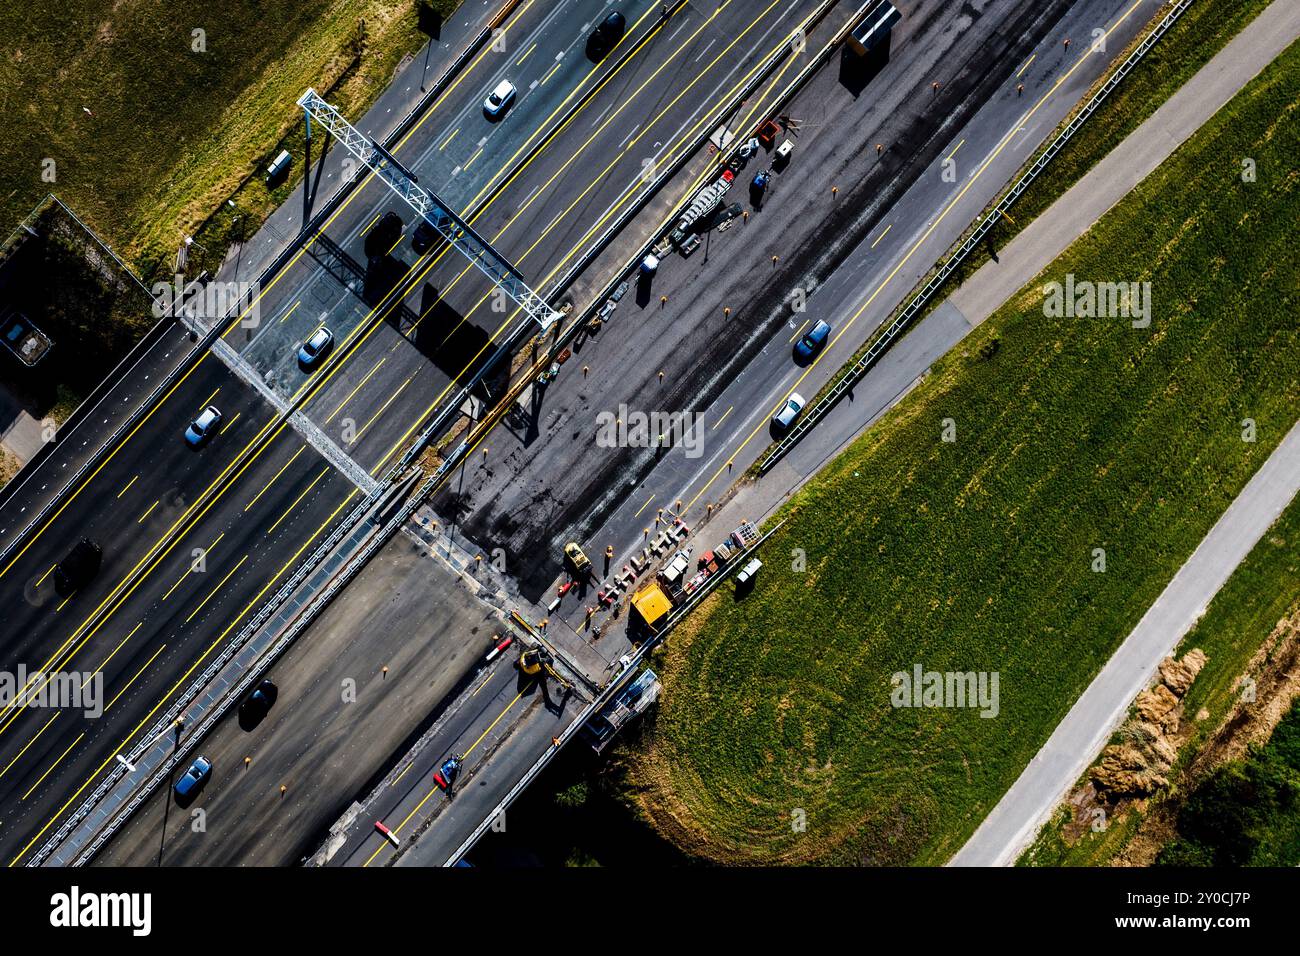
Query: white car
[(789, 411), (315, 347), (203, 427), (499, 99)]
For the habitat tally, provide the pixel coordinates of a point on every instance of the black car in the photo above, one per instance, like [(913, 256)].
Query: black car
[(424, 237), (384, 235), (606, 36), (76, 570), (257, 704)]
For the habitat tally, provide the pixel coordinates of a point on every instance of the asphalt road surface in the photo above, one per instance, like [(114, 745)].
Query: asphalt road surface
[(852, 259), (193, 541), (547, 479), (338, 718)]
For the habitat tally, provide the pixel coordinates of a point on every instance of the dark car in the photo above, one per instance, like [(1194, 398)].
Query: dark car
[(258, 704), (384, 235), (424, 237), (80, 565), (192, 781), (812, 343), (606, 36)]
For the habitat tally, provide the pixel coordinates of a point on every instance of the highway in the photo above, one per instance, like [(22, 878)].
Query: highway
[(563, 489), (157, 506), (250, 503), (719, 348)]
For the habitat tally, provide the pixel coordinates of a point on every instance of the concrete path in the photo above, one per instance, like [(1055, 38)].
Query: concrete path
[(1130, 162), (1024, 808), (1080, 736)]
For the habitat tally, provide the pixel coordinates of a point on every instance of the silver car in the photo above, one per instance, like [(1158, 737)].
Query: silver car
[(317, 345), (203, 427), (789, 411)]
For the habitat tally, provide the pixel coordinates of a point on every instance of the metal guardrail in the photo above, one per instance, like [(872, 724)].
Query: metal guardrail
[(341, 528), (299, 618), (277, 264), (620, 222), (818, 410), (603, 698)]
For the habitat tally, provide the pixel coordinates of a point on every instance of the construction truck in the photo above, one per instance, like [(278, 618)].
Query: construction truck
[(577, 560)]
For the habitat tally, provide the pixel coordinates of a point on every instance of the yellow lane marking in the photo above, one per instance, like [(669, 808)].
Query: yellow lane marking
[(57, 761), (291, 460), (1006, 139), (111, 655), (882, 235), (724, 417), (46, 575), (288, 268), (289, 510), (30, 742), (797, 334), (229, 422), (147, 513), (447, 142), (623, 151), (189, 568), (213, 592), (119, 694), (1026, 66), (181, 681), (477, 153), (291, 310), (644, 506), (417, 420), (355, 390), (436, 788), (520, 61), (382, 408), (127, 487), (954, 149)]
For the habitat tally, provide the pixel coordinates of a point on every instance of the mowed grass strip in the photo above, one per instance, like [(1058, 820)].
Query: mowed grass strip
[(777, 742), (1264, 590), (152, 114)]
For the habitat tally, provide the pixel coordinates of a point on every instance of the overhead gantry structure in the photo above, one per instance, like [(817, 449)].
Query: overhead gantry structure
[(428, 207)]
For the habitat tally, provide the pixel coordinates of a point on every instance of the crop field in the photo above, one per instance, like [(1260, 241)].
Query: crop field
[(145, 126), (1087, 459)]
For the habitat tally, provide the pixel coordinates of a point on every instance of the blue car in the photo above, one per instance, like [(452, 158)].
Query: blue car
[(194, 778), (808, 346)]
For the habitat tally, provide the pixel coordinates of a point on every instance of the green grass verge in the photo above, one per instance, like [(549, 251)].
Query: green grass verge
[(172, 133), (1201, 32), (1263, 590), (978, 554), (1248, 812)]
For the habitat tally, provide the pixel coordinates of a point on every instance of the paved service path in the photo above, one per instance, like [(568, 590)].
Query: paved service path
[(1014, 822)]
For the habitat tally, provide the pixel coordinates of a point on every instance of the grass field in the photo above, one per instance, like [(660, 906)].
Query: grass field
[(1263, 590), (777, 741), (172, 132), (1201, 32)]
